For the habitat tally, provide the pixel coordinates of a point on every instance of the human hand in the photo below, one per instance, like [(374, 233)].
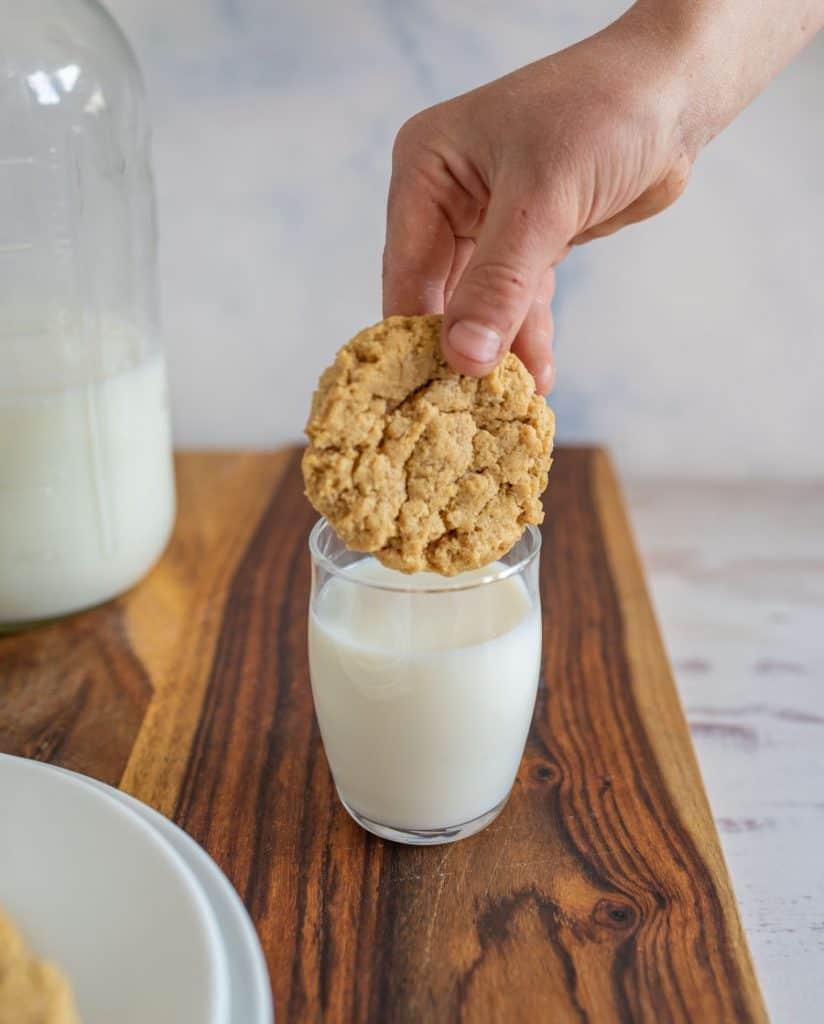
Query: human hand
[(490, 190)]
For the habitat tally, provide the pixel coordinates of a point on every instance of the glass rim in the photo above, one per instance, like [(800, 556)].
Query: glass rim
[(451, 584)]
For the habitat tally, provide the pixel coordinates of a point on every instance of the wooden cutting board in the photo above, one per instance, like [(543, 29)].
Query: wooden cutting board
[(600, 894)]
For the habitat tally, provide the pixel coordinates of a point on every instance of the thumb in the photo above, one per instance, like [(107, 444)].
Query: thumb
[(495, 292)]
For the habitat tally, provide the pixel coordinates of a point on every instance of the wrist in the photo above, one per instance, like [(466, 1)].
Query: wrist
[(724, 52), (683, 36)]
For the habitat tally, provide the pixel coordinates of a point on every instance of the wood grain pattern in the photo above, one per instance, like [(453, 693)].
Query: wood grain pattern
[(600, 894)]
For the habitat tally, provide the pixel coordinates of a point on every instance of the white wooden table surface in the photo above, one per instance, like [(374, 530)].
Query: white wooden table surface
[(737, 576)]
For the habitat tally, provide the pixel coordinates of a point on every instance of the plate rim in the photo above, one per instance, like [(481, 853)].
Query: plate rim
[(182, 871), (262, 997)]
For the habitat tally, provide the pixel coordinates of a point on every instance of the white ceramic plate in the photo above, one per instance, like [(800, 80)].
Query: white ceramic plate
[(251, 994), (96, 889)]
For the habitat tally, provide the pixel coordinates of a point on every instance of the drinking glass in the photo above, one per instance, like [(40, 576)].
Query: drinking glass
[(424, 686)]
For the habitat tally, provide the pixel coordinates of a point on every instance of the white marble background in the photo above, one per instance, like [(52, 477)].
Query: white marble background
[(737, 576), (693, 345)]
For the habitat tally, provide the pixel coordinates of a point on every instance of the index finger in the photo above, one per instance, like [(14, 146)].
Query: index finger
[(419, 250)]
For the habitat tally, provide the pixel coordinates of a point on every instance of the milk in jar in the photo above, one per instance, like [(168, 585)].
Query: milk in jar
[(86, 484), (87, 497)]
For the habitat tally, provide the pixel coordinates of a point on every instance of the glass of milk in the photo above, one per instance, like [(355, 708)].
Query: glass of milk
[(86, 482), (424, 686)]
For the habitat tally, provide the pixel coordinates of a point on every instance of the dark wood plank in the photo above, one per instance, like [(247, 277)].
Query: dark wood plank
[(73, 692), (600, 893)]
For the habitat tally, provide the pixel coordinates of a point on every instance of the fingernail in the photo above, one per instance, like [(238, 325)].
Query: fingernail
[(472, 341)]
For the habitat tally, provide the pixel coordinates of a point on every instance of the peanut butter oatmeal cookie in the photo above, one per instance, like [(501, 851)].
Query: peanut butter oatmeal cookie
[(423, 467)]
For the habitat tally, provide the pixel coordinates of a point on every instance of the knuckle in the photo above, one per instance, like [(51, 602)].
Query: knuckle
[(500, 282), (410, 135), (498, 292)]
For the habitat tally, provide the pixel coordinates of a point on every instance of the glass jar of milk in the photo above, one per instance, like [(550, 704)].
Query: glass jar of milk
[(423, 686), (86, 482)]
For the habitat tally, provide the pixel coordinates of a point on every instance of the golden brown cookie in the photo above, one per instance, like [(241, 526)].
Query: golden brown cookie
[(419, 465), (31, 991)]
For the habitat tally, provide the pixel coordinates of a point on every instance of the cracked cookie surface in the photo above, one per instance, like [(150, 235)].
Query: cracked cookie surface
[(422, 467)]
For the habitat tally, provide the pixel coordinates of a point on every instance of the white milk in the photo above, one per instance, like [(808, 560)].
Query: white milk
[(424, 700), (86, 490)]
